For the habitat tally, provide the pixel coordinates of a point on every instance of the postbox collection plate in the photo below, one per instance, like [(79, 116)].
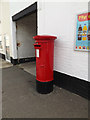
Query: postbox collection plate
[(37, 53)]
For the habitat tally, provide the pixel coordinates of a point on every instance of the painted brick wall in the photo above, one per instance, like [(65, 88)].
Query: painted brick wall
[(59, 18)]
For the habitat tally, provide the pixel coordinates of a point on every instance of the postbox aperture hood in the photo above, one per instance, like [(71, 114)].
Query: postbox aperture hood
[(44, 37)]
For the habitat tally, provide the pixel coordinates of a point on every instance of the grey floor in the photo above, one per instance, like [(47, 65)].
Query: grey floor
[(20, 99), (4, 64), (29, 67)]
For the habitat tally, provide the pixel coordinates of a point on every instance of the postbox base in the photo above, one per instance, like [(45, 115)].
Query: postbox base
[(44, 87)]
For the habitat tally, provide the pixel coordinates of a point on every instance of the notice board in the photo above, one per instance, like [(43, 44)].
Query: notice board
[(83, 32)]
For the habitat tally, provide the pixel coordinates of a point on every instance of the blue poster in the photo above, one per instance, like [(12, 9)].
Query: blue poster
[(83, 32)]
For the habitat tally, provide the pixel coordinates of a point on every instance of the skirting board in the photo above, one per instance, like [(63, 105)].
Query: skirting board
[(22, 60), (72, 84)]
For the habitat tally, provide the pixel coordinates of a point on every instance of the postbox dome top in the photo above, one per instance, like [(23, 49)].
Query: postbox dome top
[(45, 37)]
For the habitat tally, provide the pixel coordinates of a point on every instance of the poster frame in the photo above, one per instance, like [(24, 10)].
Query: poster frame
[(81, 50)]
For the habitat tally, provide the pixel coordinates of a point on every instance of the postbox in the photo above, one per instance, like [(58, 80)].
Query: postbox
[(44, 52)]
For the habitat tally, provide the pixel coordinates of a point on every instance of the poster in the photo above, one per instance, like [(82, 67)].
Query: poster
[(83, 32)]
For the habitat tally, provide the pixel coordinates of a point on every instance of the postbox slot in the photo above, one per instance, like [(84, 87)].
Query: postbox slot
[(37, 45)]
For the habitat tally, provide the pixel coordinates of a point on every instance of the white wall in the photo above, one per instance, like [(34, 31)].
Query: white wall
[(5, 24), (59, 18), (17, 5), (26, 29)]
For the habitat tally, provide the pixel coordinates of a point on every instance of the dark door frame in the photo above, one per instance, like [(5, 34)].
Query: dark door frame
[(25, 12)]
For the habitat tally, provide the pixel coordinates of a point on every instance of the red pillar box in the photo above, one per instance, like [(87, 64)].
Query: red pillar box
[(44, 51)]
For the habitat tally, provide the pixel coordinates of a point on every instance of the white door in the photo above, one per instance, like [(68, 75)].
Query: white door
[(7, 48)]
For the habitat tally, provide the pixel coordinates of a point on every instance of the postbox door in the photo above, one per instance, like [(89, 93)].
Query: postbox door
[(41, 62)]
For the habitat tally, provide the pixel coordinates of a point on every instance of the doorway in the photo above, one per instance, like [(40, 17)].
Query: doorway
[(26, 29)]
